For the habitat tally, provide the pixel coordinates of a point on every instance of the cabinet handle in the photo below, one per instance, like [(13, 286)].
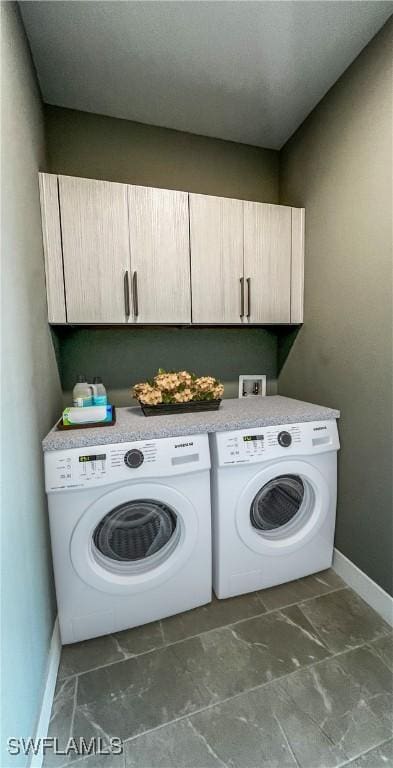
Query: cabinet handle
[(135, 293), (241, 296), (126, 294), (248, 296)]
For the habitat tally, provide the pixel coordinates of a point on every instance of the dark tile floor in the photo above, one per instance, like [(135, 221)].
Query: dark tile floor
[(297, 676)]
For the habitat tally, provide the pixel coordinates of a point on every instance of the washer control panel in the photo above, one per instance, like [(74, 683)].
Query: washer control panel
[(123, 462), (90, 463), (266, 443)]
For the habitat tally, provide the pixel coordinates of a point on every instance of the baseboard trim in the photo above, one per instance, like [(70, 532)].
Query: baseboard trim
[(49, 690), (371, 592)]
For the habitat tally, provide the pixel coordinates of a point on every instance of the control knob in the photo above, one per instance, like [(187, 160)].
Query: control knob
[(284, 439), (133, 458)]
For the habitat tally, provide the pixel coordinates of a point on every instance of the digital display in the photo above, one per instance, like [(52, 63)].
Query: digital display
[(99, 457), (251, 438)]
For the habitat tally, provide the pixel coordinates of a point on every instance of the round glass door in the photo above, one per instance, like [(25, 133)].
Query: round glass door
[(126, 542), (135, 532), (282, 507), (277, 503)]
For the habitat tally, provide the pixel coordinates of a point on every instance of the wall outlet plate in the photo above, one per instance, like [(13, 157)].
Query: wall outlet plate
[(252, 385)]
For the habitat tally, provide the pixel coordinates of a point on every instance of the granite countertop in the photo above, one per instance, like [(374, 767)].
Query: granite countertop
[(241, 413)]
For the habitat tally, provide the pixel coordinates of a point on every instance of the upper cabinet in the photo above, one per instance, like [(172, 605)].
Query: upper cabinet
[(123, 254), (96, 250), (216, 241), (297, 265), (53, 254), (160, 255), (246, 262)]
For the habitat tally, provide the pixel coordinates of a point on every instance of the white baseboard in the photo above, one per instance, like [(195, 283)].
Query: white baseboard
[(49, 690), (371, 593)]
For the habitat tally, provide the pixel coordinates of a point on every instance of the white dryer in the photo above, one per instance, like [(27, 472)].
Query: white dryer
[(273, 504), (131, 532)]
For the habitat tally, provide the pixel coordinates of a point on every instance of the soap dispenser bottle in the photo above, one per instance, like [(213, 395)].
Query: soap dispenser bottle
[(82, 394), (99, 392)]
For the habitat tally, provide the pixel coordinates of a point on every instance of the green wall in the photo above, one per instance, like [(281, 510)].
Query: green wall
[(124, 356), (98, 147), (339, 166), (83, 144)]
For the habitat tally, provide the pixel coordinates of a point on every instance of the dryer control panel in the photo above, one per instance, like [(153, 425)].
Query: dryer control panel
[(125, 462), (265, 443)]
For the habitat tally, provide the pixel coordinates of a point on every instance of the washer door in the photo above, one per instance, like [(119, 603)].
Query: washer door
[(134, 538), (282, 508)]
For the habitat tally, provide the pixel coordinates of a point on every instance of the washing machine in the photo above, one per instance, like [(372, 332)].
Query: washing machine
[(131, 532), (273, 504)]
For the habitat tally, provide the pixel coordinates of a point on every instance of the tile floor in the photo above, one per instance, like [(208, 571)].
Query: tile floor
[(297, 676)]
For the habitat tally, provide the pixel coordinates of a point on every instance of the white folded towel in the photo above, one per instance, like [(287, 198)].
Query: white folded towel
[(90, 413)]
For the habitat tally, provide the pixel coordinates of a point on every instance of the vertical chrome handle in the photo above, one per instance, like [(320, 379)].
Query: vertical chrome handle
[(135, 293), (248, 296), (241, 297), (126, 286)]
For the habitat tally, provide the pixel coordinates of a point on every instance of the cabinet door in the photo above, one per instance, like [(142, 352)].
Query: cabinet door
[(267, 262), (216, 243), (94, 222), (160, 255)]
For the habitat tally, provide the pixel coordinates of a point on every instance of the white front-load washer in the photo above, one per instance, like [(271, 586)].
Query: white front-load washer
[(131, 532), (273, 504)]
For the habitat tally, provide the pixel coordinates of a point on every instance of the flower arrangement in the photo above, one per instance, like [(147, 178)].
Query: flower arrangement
[(177, 387)]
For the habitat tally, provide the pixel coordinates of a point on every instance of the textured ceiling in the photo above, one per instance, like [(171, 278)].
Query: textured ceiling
[(245, 71)]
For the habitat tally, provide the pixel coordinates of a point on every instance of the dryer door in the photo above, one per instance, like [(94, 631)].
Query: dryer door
[(282, 507), (133, 538)]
